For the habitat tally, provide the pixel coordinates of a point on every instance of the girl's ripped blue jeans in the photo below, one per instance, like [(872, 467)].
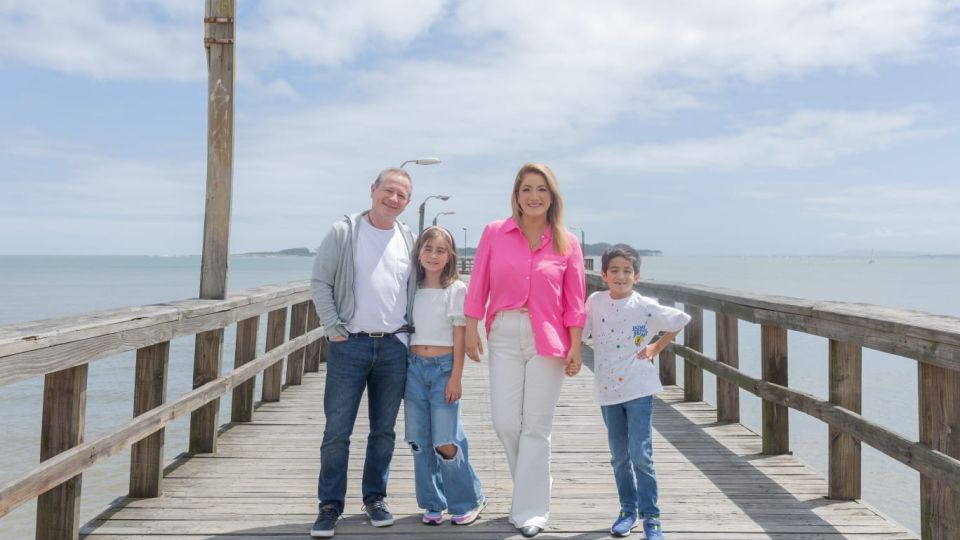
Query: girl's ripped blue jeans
[(430, 422)]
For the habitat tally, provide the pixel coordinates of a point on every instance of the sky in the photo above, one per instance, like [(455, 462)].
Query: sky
[(760, 127)]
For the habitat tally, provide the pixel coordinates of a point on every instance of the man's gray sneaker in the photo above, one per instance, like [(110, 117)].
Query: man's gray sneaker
[(326, 522), (378, 512)]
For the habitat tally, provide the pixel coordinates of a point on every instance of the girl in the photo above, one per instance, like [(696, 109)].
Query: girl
[(444, 478)]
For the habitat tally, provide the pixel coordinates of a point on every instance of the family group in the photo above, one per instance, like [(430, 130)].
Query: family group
[(400, 323)]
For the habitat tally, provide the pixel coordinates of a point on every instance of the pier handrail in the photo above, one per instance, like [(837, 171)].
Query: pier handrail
[(61, 350), (932, 340)]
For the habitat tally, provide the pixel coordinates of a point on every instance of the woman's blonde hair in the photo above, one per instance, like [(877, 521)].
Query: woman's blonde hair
[(554, 213), (450, 272)]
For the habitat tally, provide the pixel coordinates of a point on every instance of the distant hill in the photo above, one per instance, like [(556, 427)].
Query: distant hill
[(296, 252), (598, 249)]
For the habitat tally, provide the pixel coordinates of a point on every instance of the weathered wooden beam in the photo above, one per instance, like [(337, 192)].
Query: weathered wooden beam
[(272, 376), (208, 357), (311, 364), (693, 339), (845, 391), (150, 391), (70, 463), (668, 360), (62, 425), (728, 393), (773, 367), (241, 405), (183, 318), (939, 410), (298, 325)]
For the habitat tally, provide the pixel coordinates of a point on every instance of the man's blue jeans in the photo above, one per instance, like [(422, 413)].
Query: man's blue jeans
[(441, 483), (380, 366), (630, 436)]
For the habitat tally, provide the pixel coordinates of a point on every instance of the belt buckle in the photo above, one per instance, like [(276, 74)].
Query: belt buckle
[(376, 334)]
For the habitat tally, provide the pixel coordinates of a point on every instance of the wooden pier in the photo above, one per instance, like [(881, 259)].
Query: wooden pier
[(718, 478), (262, 481)]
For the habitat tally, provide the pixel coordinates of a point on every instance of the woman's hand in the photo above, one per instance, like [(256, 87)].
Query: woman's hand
[(454, 390), (472, 344), (573, 362)]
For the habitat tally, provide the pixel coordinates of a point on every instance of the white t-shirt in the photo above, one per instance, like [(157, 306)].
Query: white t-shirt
[(381, 266), (436, 312), (620, 328)]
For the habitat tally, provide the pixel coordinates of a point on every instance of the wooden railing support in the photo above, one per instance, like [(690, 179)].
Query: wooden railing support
[(298, 327), (693, 338), (205, 421), (272, 376), (728, 393), (939, 429), (64, 409), (773, 367), (845, 391), (668, 360), (241, 405), (149, 391), (311, 363)]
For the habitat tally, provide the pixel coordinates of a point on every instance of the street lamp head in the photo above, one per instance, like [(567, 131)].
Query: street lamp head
[(422, 161)]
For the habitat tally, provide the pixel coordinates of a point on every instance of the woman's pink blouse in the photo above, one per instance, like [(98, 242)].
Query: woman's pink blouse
[(511, 275)]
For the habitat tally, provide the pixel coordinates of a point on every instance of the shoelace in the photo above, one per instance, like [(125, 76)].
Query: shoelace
[(329, 511), (378, 504)]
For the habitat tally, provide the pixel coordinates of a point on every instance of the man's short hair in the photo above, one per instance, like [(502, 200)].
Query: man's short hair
[(393, 170), (620, 250)]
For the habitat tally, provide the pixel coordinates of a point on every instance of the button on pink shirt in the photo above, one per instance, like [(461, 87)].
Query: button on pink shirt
[(511, 275)]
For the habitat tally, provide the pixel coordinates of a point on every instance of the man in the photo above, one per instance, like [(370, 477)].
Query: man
[(363, 292)]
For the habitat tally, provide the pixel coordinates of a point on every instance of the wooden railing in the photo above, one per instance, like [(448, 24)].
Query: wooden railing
[(932, 340), (61, 349)]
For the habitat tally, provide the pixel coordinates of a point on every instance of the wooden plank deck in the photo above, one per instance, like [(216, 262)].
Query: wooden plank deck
[(714, 483)]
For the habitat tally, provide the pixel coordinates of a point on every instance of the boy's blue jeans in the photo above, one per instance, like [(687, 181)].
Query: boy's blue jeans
[(630, 436), (430, 421), (380, 366)]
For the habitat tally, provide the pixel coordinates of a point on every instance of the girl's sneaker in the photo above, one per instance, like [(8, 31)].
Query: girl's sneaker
[(432, 518), (652, 528), (624, 523), (469, 517)]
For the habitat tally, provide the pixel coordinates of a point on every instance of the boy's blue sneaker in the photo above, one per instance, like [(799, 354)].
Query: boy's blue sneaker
[(326, 522), (625, 523), (378, 513), (652, 528)]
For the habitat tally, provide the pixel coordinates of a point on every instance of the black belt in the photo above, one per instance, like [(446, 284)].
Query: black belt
[(405, 329)]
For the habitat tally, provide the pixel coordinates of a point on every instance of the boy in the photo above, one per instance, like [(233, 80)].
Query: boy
[(622, 323)]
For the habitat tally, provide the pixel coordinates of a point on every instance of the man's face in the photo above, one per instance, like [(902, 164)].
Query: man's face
[(390, 198)]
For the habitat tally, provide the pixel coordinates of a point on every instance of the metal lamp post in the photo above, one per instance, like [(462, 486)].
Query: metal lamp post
[(442, 214), (423, 207)]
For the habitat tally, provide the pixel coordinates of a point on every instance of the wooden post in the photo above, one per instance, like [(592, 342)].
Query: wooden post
[(149, 391), (693, 338), (241, 406), (64, 408), (219, 23), (298, 327), (204, 421), (311, 364), (776, 418), (668, 360), (940, 430), (728, 393), (845, 391), (272, 376)]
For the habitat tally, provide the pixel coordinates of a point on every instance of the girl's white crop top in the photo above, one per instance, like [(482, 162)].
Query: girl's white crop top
[(436, 312)]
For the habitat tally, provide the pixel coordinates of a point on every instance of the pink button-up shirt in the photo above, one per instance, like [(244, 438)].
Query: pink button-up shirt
[(512, 275)]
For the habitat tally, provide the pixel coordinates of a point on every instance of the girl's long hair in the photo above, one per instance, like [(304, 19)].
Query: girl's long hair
[(554, 213), (450, 272)]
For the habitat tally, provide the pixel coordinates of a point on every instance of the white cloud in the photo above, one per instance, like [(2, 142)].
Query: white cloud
[(803, 139)]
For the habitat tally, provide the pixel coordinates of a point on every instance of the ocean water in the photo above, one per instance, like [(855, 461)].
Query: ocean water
[(41, 287)]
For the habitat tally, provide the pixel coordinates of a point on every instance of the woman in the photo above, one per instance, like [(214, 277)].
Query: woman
[(531, 270)]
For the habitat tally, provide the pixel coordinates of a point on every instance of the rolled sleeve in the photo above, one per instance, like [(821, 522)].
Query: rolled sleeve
[(574, 288)]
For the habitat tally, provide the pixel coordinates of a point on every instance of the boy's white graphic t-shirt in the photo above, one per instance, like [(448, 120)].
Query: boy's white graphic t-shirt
[(620, 329)]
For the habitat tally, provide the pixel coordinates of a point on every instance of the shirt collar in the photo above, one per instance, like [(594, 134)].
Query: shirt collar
[(512, 225)]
